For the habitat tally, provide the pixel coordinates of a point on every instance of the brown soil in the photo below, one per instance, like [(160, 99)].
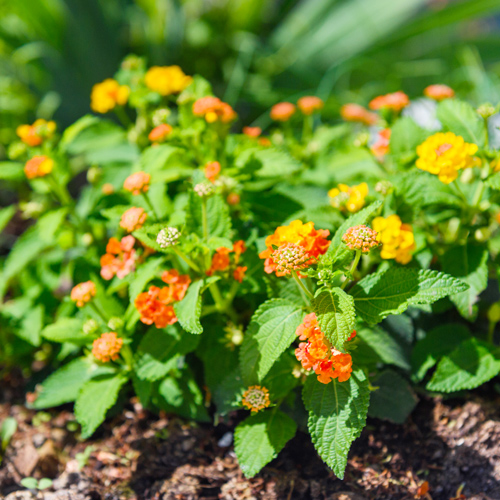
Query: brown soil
[(454, 445)]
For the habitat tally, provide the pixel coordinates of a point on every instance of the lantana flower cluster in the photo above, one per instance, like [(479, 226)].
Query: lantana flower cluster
[(120, 258), (349, 198), (397, 239), (222, 261)]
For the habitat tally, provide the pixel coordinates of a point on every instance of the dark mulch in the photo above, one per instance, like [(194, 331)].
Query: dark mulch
[(454, 445)]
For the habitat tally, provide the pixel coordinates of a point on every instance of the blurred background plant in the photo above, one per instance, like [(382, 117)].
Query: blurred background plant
[(255, 52)]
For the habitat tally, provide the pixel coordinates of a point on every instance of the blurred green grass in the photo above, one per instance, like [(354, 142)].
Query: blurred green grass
[(255, 52)]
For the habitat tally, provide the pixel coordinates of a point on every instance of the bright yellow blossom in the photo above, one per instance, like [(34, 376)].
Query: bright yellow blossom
[(33, 135), (445, 154), (397, 239), (167, 80), (350, 198), (107, 94)]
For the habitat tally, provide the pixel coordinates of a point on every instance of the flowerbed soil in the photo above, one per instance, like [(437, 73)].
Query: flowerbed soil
[(453, 444)]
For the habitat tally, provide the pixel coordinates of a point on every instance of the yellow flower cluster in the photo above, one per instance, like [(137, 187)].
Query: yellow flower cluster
[(350, 198), (167, 80), (108, 94), (397, 239), (445, 154)]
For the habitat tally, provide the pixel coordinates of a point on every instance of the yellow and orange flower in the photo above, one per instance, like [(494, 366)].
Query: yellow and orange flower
[(160, 133), (212, 171), (445, 154), (439, 92), (38, 166), (133, 219), (395, 101), (256, 398), (137, 183), (34, 135), (167, 80), (312, 240), (83, 293), (282, 111), (252, 131), (316, 353), (239, 273), (355, 113), (310, 104), (397, 239), (220, 261), (119, 259), (108, 94), (381, 146), (350, 198), (107, 347), (213, 109)]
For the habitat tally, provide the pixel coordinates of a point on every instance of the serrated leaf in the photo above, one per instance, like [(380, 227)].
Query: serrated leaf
[(66, 330), (391, 291), (438, 342), (470, 264), (337, 252), (188, 310), (218, 220), (406, 135), (337, 415), (393, 399), (460, 118), (31, 326), (271, 332), (63, 385), (159, 350), (335, 312), (259, 439), (96, 397), (471, 364)]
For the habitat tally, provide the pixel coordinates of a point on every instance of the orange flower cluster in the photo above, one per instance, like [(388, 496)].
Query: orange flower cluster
[(213, 109), (212, 171), (107, 347), (233, 199), (291, 257), (439, 92), (167, 80), (355, 113), (160, 133), (395, 101), (252, 131), (304, 235), (282, 111), (83, 293), (256, 398), (361, 238), (155, 306), (133, 219), (381, 146), (222, 262), (38, 166), (107, 95), (119, 258), (316, 354), (33, 135), (137, 183), (309, 104)]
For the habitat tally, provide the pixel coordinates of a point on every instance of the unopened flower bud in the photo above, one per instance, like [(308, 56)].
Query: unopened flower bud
[(494, 313), (362, 139), (482, 234), (361, 238), (168, 237), (115, 323), (90, 327), (486, 110), (291, 257), (160, 116), (204, 189), (87, 239), (94, 174), (384, 187)]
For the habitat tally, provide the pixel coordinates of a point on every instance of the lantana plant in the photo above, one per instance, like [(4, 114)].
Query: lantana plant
[(303, 276)]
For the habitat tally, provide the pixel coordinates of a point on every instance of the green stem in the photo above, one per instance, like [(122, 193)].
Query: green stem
[(302, 286), (204, 218), (150, 205), (307, 127), (354, 265), (460, 192), (491, 331), (122, 116), (93, 305), (127, 355), (222, 305), (187, 260), (478, 194)]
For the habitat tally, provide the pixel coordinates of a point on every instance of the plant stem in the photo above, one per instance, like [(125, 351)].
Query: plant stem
[(204, 219), (187, 260), (93, 305), (478, 194), (353, 268), (302, 286), (150, 205), (127, 355), (491, 331), (307, 127), (122, 116)]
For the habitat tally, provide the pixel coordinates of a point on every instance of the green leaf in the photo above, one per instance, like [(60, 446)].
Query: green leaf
[(335, 312), (29, 482), (460, 118), (7, 430), (438, 342), (44, 483), (259, 439), (6, 215), (96, 397), (471, 364), (494, 181), (66, 330), (406, 135), (188, 310), (470, 264), (337, 415), (393, 399), (11, 171), (159, 351), (64, 384), (338, 253), (271, 332), (218, 220), (275, 162), (391, 291), (143, 276), (32, 325)]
